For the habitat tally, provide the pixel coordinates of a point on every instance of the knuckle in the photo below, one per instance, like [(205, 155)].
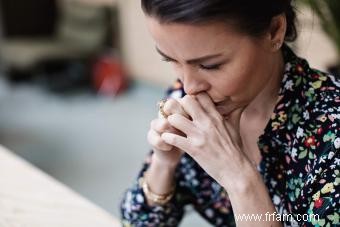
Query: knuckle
[(208, 124), (158, 142), (169, 105), (211, 123), (175, 119), (163, 126), (174, 116), (185, 100), (158, 125), (219, 118), (173, 130), (200, 142), (172, 140)]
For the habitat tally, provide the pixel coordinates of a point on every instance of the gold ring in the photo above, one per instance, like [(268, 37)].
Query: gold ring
[(161, 106)]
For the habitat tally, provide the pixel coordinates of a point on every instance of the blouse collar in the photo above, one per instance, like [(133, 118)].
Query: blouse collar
[(295, 71)]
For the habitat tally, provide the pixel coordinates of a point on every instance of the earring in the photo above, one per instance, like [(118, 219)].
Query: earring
[(277, 45)]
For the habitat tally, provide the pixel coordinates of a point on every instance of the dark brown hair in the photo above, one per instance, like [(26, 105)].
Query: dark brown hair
[(252, 17)]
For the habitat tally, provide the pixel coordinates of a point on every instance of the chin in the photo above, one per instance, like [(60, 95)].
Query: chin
[(219, 101)]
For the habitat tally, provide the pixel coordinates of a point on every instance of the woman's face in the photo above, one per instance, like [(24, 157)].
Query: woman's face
[(231, 67)]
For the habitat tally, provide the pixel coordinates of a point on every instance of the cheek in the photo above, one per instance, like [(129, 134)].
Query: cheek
[(232, 82)]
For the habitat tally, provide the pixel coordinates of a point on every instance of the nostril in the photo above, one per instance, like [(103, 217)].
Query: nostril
[(193, 89), (193, 83), (189, 90)]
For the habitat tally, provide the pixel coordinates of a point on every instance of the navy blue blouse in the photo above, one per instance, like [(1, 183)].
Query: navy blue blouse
[(300, 160)]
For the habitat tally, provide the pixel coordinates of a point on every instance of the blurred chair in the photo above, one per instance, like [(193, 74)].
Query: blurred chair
[(81, 30)]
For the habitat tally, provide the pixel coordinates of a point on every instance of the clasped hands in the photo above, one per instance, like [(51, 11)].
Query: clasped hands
[(195, 126)]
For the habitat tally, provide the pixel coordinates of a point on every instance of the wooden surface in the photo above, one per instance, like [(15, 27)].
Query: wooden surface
[(31, 198)]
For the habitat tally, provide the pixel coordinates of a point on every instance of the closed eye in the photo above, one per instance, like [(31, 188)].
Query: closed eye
[(201, 66), (167, 59), (210, 67)]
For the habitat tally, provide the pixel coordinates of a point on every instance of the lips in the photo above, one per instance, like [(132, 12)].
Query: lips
[(226, 107), (222, 102), (225, 111)]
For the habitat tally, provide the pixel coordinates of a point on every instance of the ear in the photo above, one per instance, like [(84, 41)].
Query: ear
[(277, 32)]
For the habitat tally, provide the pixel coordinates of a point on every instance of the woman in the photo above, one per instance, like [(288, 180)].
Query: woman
[(248, 129)]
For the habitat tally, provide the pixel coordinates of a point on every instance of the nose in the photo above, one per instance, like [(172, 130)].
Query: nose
[(193, 84)]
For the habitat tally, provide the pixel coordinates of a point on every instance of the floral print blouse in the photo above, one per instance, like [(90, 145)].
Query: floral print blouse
[(300, 160)]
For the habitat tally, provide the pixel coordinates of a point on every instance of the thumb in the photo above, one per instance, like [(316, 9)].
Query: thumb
[(234, 119), (232, 123)]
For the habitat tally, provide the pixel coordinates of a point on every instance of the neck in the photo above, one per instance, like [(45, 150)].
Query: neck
[(263, 104)]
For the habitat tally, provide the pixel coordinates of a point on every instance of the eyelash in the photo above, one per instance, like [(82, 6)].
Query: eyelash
[(204, 67), (166, 59), (210, 67)]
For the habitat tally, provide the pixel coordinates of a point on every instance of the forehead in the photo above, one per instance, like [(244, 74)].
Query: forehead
[(186, 40)]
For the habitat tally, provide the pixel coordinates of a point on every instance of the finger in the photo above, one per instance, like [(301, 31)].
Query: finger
[(172, 106), (192, 107), (160, 125), (182, 124), (233, 126), (235, 117), (226, 107), (233, 135), (157, 142), (177, 141), (208, 105)]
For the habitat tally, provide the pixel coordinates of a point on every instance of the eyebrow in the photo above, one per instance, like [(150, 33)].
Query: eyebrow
[(190, 61)]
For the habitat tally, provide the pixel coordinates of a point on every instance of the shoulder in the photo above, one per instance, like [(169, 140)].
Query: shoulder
[(309, 94), (319, 125), (301, 81), (323, 91), (310, 103)]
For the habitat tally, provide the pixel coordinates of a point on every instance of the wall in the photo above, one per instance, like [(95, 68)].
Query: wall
[(145, 64), (138, 48), (313, 44)]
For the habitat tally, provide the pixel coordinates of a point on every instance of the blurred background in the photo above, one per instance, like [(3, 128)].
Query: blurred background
[(79, 83)]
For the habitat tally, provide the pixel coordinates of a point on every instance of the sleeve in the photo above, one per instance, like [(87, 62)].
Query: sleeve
[(136, 212), (322, 185), (324, 206), (320, 193), (134, 208)]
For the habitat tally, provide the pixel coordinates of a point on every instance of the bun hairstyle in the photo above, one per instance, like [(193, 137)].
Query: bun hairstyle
[(252, 17)]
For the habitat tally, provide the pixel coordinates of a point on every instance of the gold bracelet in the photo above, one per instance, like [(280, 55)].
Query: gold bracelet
[(156, 198)]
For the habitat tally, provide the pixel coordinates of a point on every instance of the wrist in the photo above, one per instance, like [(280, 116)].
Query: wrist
[(154, 198), (161, 164), (158, 182), (244, 182)]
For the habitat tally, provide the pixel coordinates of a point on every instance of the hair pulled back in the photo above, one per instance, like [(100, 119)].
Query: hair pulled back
[(252, 17)]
